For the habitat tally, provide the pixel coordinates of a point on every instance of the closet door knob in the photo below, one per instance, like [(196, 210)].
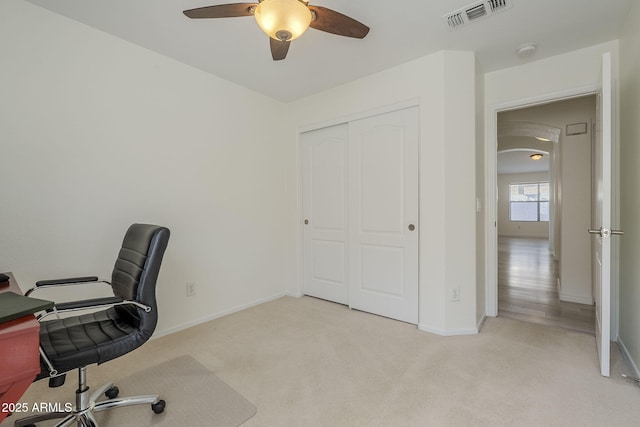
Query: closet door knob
[(412, 227)]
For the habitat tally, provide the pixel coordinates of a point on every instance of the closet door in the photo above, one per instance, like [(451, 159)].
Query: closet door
[(383, 214), (324, 162)]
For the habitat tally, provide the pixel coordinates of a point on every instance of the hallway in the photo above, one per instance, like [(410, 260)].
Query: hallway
[(527, 287)]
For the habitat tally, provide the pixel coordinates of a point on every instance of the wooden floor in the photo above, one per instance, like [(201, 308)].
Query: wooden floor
[(527, 287)]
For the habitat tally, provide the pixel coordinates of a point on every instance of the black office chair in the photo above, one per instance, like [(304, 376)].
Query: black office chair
[(121, 324)]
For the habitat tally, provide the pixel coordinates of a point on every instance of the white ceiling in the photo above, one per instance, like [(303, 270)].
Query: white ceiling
[(518, 161), (236, 49)]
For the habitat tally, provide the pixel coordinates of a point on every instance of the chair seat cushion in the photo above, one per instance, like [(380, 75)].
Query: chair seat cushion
[(90, 338)]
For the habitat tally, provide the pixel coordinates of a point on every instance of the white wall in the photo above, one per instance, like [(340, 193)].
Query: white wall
[(518, 228), (571, 73), (97, 133), (630, 196), (444, 86)]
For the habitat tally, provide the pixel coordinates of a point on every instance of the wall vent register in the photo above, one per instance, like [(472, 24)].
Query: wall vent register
[(477, 10)]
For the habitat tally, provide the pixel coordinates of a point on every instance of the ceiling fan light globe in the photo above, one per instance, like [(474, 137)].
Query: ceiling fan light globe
[(282, 17)]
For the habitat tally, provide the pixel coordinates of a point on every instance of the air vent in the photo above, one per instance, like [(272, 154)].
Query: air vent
[(455, 20), (497, 5), (480, 9), (476, 12)]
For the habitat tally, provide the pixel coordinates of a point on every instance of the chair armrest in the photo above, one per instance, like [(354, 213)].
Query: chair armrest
[(68, 281), (89, 304), (86, 303), (64, 282)]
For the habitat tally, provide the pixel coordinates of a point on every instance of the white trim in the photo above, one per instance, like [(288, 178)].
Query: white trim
[(491, 167), (165, 332), (627, 358), (548, 98), (300, 241), (579, 300), (413, 102), (481, 323), (491, 212), (297, 294), (448, 332), (425, 328)]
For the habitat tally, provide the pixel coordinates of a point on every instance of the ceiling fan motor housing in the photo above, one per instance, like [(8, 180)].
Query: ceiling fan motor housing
[(283, 35), (283, 20)]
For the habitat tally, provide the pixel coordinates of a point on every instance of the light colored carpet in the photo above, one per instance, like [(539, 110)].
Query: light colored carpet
[(194, 396), (308, 362)]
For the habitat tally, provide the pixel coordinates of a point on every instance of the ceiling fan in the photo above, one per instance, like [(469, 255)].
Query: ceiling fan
[(285, 20)]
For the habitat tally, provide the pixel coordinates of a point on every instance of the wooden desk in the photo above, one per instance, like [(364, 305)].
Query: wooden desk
[(19, 355)]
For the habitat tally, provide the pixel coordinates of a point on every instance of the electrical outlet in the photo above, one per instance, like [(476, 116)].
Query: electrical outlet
[(455, 294), (191, 289)]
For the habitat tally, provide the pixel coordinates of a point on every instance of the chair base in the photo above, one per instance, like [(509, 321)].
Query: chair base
[(86, 405)]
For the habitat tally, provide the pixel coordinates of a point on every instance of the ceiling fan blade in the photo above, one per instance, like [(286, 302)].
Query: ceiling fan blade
[(279, 49), (334, 22), (221, 11)]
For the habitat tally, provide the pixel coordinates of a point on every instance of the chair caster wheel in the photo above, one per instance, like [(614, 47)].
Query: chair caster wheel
[(158, 407), (112, 393)]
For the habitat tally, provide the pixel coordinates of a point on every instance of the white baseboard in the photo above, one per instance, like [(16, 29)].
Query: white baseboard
[(178, 328), (579, 300), (296, 294), (426, 328), (627, 358), (480, 323), (447, 332)]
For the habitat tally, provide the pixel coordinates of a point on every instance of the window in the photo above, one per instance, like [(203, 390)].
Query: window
[(529, 202)]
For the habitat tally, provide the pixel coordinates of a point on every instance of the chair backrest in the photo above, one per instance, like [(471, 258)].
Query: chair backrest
[(136, 271)]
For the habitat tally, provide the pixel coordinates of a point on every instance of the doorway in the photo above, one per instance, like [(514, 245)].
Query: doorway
[(544, 209)]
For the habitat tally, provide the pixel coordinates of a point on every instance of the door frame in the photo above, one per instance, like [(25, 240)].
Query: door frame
[(491, 170)]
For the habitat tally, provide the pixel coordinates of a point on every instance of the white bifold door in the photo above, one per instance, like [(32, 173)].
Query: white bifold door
[(360, 203)]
